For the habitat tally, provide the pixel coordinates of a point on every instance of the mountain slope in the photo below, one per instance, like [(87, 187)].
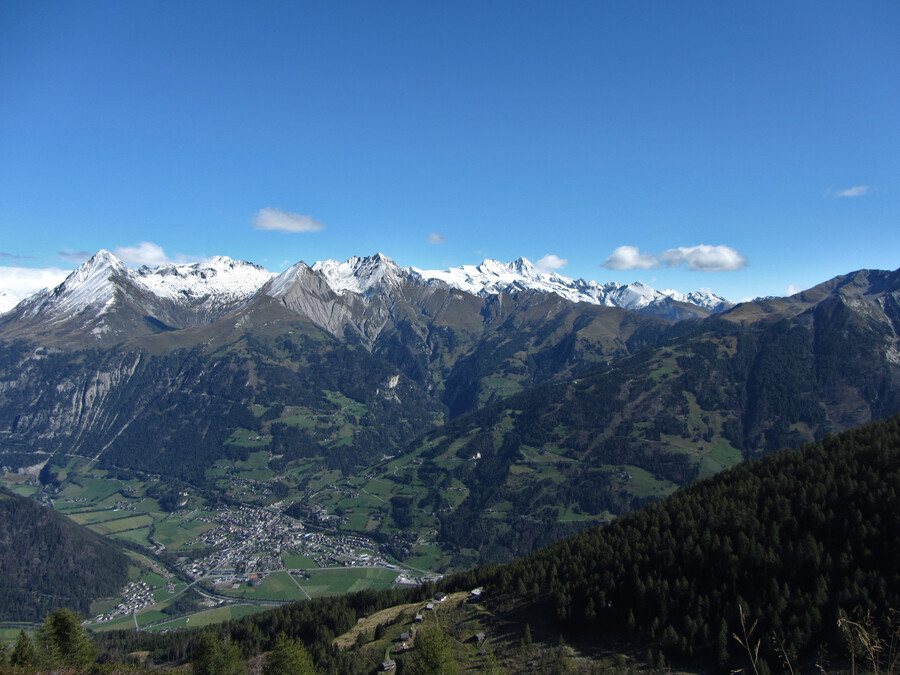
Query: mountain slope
[(508, 420), (714, 393), (47, 561), (794, 538)]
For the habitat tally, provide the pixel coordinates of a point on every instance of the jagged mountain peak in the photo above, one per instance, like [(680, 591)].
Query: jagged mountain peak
[(92, 284), (359, 274), (287, 280), (492, 277), (219, 277)]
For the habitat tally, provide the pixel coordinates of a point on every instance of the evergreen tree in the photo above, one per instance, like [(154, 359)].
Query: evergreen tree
[(63, 640), (432, 654), (289, 657), (214, 655), (23, 654)]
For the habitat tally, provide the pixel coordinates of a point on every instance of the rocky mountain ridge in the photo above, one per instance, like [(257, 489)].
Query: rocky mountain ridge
[(220, 284)]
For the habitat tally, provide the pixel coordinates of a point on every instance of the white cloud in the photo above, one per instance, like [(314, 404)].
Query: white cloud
[(285, 221), (793, 289), (435, 238), (77, 257), (630, 258), (145, 253), (23, 281), (855, 191), (704, 258), (551, 262)]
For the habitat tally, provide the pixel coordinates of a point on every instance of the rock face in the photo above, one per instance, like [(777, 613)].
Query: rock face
[(103, 302)]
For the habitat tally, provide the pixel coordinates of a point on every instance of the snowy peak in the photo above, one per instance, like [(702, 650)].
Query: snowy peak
[(492, 276), (92, 284), (292, 277), (220, 277), (359, 275)]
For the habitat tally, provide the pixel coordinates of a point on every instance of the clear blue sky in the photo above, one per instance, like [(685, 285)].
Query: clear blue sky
[(443, 133)]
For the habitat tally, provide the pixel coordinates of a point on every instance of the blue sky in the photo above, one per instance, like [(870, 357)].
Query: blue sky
[(749, 148)]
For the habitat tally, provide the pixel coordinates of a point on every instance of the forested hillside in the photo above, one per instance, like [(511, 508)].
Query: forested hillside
[(47, 561), (796, 539)]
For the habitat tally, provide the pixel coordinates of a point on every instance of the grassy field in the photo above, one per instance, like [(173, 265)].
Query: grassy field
[(722, 456), (276, 586), (138, 536), (428, 557), (210, 616), (644, 484), (298, 562), (122, 524), (339, 581), (174, 532)]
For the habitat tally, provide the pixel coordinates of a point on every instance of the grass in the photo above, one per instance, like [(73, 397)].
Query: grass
[(644, 484), (340, 581), (276, 586), (248, 439), (210, 616), (122, 524), (124, 623), (175, 532), (97, 516), (139, 536), (298, 562), (257, 460), (722, 456), (261, 475), (427, 557)]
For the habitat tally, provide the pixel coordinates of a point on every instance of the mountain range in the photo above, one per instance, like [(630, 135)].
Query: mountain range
[(224, 282), (509, 406)]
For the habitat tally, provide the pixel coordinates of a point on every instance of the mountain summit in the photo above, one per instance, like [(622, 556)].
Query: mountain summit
[(492, 277)]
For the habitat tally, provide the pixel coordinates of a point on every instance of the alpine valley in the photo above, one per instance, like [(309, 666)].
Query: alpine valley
[(245, 434)]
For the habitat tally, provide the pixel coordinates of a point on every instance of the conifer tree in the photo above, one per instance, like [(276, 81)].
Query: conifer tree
[(23, 654), (289, 657), (432, 654), (64, 641), (216, 656)]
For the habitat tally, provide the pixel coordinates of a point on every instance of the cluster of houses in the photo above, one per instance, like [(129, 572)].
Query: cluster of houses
[(135, 597), (252, 540), (247, 538), (337, 549)]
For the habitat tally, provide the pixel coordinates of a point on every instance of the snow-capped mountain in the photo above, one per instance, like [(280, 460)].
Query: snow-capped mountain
[(220, 277), (492, 276), (360, 275), (8, 300), (177, 296), (105, 298), (219, 280)]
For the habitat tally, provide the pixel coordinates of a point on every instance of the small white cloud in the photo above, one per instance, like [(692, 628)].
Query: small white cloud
[(23, 281), (76, 257), (435, 238), (551, 262), (145, 253), (285, 221), (704, 258), (630, 258), (793, 289), (855, 191), (700, 258)]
